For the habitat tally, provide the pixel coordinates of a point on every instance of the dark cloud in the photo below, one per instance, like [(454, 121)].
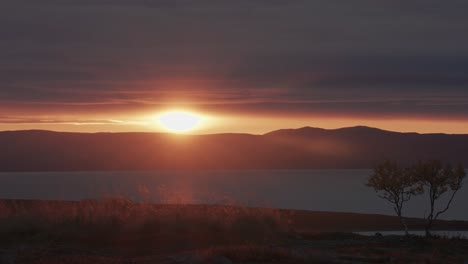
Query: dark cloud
[(325, 56), (29, 120)]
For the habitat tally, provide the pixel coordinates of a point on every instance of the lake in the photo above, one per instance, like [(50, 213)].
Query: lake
[(450, 234), (322, 190)]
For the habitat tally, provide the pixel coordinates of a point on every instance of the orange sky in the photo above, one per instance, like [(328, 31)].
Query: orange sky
[(229, 123), (245, 66)]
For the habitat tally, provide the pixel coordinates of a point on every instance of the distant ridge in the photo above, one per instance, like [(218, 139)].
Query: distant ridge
[(356, 129), (304, 148)]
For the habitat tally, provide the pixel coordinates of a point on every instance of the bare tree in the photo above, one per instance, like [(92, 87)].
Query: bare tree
[(394, 184), (438, 179)]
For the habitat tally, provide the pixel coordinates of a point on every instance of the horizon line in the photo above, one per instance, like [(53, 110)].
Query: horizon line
[(236, 133)]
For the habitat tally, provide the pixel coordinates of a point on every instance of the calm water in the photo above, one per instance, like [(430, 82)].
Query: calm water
[(325, 190), (460, 234)]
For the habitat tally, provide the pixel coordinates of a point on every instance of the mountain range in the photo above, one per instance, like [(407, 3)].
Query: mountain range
[(304, 148)]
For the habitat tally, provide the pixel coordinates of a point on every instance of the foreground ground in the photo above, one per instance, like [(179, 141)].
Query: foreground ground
[(119, 231)]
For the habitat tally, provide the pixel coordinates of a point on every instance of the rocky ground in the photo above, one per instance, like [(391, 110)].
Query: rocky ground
[(309, 248)]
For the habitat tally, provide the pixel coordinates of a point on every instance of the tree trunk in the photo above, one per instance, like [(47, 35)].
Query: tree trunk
[(428, 229), (428, 233), (403, 221), (397, 209)]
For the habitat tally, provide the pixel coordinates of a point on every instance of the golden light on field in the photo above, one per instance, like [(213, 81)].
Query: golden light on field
[(179, 121)]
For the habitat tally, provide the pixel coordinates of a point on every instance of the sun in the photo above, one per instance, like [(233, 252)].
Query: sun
[(179, 122)]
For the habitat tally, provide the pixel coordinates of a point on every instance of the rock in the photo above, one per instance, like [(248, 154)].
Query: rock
[(220, 260), (192, 258), (7, 257), (364, 259), (186, 258), (378, 235)]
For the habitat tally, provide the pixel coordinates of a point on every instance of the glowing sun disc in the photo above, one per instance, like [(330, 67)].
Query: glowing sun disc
[(179, 121)]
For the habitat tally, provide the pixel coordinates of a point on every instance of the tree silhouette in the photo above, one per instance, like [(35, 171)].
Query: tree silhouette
[(437, 179), (394, 184)]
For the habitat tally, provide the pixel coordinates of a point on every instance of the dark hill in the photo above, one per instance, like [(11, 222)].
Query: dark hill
[(304, 148)]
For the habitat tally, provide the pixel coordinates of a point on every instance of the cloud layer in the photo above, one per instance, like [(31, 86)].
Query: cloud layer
[(321, 57)]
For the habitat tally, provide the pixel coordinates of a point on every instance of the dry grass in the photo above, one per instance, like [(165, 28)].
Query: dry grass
[(121, 231), (123, 224)]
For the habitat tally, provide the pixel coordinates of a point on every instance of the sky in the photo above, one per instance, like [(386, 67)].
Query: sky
[(247, 66)]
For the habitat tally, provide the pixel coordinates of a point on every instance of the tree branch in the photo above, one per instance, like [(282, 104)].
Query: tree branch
[(448, 205)]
